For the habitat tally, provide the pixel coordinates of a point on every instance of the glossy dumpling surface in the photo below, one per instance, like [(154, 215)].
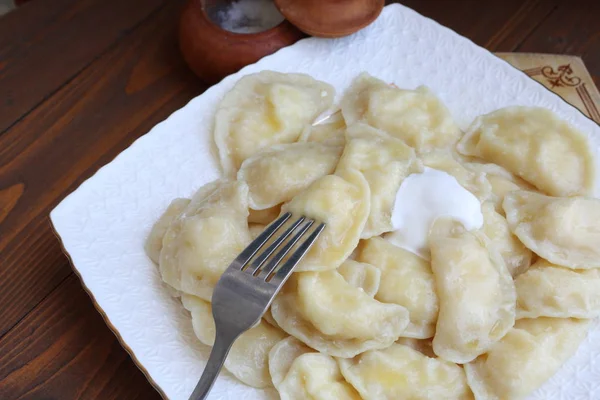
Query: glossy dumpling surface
[(551, 291), (332, 316), (416, 116), (342, 203), (153, 244), (407, 280), (201, 243), (536, 145), (337, 308), (526, 357), (277, 174), (315, 376), (283, 355), (476, 293), (384, 161), (564, 231), (516, 256), (331, 132), (400, 372), (264, 109), (248, 359)]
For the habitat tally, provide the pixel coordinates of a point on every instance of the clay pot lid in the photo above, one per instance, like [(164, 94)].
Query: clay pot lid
[(330, 18)]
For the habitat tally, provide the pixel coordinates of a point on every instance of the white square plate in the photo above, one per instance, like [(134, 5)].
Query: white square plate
[(103, 223)]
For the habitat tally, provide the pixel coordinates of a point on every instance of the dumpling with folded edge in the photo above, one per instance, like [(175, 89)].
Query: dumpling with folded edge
[(416, 116), (536, 145), (283, 355), (400, 372), (153, 244), (327, 313), (341, 201), (525, 358), (330, 132), (361, 275), (276, 174), (201, 243), (501, 182), (445, 160), (564, 231), (264, 109), (249, 355), (406, 280), (384, 161), (547, 290), (516, 256), (476, 292)]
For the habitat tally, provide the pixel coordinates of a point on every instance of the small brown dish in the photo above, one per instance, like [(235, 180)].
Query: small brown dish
[(213, 52)]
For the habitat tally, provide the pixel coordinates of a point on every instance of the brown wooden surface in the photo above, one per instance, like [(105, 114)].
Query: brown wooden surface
[(79, 81)]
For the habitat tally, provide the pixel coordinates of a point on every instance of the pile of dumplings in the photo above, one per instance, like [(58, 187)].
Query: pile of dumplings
[(490, 315)]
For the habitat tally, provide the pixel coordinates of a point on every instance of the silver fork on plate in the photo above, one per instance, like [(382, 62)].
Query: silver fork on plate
[(249, 285)]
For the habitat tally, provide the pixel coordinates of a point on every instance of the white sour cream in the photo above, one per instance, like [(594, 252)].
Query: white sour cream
[(424, 197)]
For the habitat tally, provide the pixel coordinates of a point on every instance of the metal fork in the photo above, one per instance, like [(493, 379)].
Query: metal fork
[(248, 286)]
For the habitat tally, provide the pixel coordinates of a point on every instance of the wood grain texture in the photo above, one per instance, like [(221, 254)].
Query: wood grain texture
[(103, 91), (64, 350), (64, 141), (572, 28), (46, 43)]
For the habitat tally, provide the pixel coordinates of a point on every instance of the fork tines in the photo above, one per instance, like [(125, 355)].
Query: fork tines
[(271, 264)]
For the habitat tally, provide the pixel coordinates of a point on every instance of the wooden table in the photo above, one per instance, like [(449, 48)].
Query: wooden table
[(82, 79)]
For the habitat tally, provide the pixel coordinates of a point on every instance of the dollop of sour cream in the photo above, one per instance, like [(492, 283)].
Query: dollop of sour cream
[(424, 197)]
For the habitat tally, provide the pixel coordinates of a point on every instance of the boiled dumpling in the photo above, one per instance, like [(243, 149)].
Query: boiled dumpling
[(201, 243), (536, 145), (283, 355), (330, 132), (336, 308), (249, 355), (275, 175), (384, 161), (153, 244), (501, 182), (361, 275), (526, 357), (407, 280), (423, 346), (315, 376), (416, 116), (516, 256), (564, 231), (476, 292), (400, 372), (547, 290), (341, 201), (327, 313), (264, 109), (474, 182)]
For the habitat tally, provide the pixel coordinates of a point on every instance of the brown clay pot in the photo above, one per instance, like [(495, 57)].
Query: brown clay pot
[(330, 18), (213, 53)]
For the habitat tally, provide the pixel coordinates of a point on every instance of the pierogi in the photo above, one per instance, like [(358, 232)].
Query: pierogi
[(537, 146), (384, 161), (264, 109), (400, 372), (417, 117), (547, 290), (476, 293), (564, 231), (526, 357), (493, 313)]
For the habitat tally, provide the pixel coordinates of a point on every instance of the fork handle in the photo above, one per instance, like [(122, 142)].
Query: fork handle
[(215, 362)]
